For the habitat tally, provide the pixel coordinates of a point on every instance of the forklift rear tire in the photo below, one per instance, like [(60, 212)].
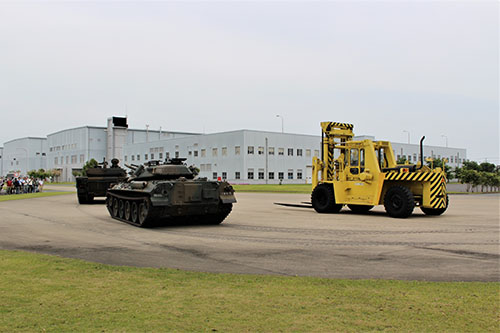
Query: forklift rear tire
[(436, 211), (323, 199), (360, 209), (399, 202)]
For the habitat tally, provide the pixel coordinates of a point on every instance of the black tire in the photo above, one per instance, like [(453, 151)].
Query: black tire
[(121, 208), (109, 204), (323, 199), (127, 211), (143, 212), (360, 209), (436, 211), (134, 212), (115, 207), (399, 202)]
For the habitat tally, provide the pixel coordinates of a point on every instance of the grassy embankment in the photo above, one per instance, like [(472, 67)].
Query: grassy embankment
[(8, 197), (44, 293)]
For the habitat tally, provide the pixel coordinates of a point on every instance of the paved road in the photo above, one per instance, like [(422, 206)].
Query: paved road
[(261, 238)]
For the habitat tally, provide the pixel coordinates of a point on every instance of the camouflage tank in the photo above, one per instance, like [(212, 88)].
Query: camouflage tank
[(169, 191), (98, 180)]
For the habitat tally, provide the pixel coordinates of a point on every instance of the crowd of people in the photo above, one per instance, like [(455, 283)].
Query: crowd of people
[(20, 185)]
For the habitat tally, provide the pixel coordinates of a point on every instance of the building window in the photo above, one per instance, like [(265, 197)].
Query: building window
[(280, 175), (82, 158), (176, 154), (299, 174), (133, 157), (224, 151), (290, 151), (145, 157), (125, 158), (224, 175), (237, 150), (195, 153), (261, 151), (56, 160), (271, 175), (160, 156), (290, 174), (138, 157), (316, 153), (203, 153), (261, 174), (152, 156), (299, 152), (237, 175), (167, 155), (214, 176), (250, 174), (281, 151), (308, 152), (250, 150), (67, 159), (271, 150), (214, 152)]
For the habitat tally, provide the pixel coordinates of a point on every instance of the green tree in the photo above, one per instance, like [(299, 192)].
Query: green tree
[(402, 160), (487, 167), (90, 164), (471, 165)]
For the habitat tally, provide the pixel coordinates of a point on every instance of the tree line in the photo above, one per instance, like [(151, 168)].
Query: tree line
[(485, 176)]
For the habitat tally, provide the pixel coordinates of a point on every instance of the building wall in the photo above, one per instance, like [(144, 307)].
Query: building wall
[(24, 154), (70, 149), (239, 156), (456, 156)]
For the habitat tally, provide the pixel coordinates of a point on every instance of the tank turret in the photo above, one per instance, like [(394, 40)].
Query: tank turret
[(169, 191), (98, 180)]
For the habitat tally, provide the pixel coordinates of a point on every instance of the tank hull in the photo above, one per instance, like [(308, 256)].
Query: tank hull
[(144, 204)]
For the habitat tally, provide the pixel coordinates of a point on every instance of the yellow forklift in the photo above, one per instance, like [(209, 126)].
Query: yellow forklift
[(363, 174)]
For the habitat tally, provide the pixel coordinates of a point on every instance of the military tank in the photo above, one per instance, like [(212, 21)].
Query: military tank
[(98, 180), (169, 191)]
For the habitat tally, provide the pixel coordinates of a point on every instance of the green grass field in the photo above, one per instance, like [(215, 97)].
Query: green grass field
[(45, 293), (8, 197)]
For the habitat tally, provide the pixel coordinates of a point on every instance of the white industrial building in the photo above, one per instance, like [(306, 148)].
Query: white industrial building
[(242, 156), (24, 154)]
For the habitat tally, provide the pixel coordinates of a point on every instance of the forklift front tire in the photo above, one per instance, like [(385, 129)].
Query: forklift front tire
[(323, 199)]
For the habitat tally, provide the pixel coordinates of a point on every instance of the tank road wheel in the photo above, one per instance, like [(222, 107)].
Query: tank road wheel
[(323, 199), (109, 204), (399, 202), (224, 210), (121, 208), (436, 211), (360, 209), (134, 212), (115, 207), (143, 212), (127, 210)]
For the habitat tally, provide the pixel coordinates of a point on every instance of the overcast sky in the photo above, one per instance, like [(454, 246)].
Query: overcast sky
[(430, 68)]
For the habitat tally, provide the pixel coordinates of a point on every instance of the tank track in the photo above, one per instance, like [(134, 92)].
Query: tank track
[(139, 212)]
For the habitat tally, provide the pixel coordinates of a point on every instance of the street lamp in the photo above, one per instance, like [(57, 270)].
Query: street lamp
[(282, 120), (444, 136), (408, 135)]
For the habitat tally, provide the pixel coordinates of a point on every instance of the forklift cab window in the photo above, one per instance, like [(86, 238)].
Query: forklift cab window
[(382, 160), (361, 160), (354, 161)]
